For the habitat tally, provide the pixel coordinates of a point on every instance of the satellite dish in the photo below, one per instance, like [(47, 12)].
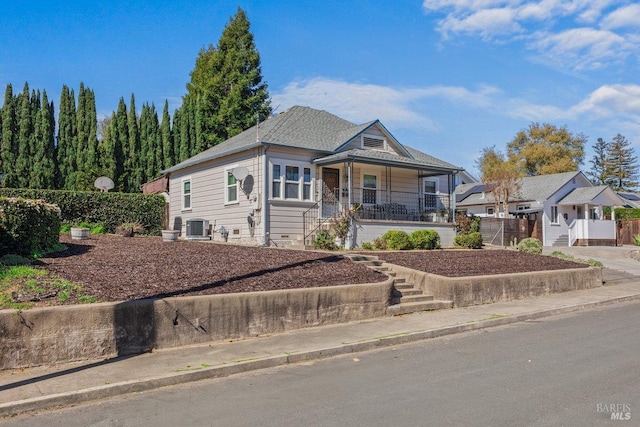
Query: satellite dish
[(240, 173), (104, 184)]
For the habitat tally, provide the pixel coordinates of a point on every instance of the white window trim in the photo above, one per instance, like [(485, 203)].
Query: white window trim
[(435, 181), (377, 187), (385, 146), (227, 171), (283, 163), (182, 195), (490, 208)]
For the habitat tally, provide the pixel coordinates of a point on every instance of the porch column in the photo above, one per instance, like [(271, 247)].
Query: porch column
[(586, 211)]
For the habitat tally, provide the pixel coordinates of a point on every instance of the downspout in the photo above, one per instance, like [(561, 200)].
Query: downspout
[(452, 196), (350, 236), (265, 196)]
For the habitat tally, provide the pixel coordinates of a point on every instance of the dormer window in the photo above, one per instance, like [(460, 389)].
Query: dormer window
[(372, 142)]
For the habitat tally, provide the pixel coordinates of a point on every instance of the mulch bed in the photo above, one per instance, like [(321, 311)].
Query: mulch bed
[(116, 268), (460, 263)]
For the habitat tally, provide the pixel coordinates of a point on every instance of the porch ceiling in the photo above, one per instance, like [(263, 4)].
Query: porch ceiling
[(381, 158)]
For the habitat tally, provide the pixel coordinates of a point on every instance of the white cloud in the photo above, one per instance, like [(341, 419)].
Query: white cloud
[(582, 48), (360, 103), (612, 101), (628, 16), (572, 33)]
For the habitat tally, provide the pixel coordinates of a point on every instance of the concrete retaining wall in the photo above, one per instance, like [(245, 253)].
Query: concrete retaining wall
[(475, 290), (80, 332)]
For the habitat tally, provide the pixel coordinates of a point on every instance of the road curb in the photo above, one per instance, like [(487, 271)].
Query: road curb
[(134, 386)]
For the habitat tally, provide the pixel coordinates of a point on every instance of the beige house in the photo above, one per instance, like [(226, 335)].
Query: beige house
[(280, 182)]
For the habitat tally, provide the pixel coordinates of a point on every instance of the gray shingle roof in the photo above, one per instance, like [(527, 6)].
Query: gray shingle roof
[(582, 195), (301, 127), (532, 188)]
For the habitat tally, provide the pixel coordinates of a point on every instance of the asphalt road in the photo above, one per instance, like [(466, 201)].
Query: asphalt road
[(566, 370)]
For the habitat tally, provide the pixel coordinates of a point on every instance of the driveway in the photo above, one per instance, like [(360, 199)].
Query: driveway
[(614, 257)]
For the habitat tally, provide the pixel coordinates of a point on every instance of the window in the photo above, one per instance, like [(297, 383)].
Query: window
[(231, 188), (430, 197), (369, 189), (554, 215), (306, 186), (186, 194), (291, 182), (522, 207), (490, 211), (593, 213), (276, 181)]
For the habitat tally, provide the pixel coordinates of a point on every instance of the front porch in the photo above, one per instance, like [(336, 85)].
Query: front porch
[(378, 197)]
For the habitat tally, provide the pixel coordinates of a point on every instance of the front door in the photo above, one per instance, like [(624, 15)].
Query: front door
[(330, 192), (580, 212)]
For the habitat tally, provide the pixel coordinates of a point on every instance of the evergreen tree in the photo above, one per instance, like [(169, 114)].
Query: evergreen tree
[(117, 137), (226, 89), (9, 147), (87, 141), (25, 132), (167, 138), (43, 171), (622, 165), (66, 141), (133, 164), (597, 174)]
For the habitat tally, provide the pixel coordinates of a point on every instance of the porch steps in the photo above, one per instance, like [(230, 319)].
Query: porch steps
[(562, 240), (406, 297)]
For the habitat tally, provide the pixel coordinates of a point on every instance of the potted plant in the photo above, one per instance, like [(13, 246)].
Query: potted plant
[(170, 235), (79, 233)]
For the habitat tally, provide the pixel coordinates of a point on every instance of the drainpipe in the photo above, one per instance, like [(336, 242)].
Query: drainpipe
[(349, 241), (265, 196)]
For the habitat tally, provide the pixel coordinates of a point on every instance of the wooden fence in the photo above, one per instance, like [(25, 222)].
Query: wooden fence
[(626, 229)]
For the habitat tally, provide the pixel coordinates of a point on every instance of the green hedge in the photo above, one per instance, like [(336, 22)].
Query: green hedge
[(110, 209), (627, 213), (468, 241), (425, 239), (27, 226)]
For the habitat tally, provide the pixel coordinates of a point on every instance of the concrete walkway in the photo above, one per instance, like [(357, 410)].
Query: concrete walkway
[(39, 388)]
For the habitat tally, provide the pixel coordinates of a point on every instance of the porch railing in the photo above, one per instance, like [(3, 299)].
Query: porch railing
[(401, 206)]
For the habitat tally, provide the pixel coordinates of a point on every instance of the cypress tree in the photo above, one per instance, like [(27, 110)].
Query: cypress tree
[(9, 147), (167, 138), (25, 132), (133, 164), (87, 141), (43, 171), (66, 143)]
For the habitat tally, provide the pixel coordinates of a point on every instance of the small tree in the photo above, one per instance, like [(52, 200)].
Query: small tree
[(501, 177)]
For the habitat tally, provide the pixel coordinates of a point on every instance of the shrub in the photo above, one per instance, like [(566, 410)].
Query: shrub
[(397, 239), (467, 224), (324, 240), (367, 246), (425, 239), (636, 240), (380, 243), (94, 207), (590, 261), (129, 229), (468, 241), (530, 245), (28, 226)]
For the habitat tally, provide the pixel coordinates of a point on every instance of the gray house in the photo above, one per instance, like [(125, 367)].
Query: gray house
[(284, 179), (566, 208)]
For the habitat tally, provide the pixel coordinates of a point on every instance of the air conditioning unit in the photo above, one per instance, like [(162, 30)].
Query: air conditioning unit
[(197, 229)]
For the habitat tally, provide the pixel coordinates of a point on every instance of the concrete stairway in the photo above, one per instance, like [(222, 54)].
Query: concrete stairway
[(562, 240), (406, 298)]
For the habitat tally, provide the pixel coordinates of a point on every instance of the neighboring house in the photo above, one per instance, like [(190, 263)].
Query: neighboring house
[(631, 200), (567, 207), (282, 181)]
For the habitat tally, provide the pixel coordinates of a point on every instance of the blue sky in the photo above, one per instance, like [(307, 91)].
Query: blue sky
[(447, 77)]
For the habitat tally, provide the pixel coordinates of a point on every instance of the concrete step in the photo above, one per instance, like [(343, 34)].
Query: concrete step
[(415, 298), (412, 307), (409, 291)]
